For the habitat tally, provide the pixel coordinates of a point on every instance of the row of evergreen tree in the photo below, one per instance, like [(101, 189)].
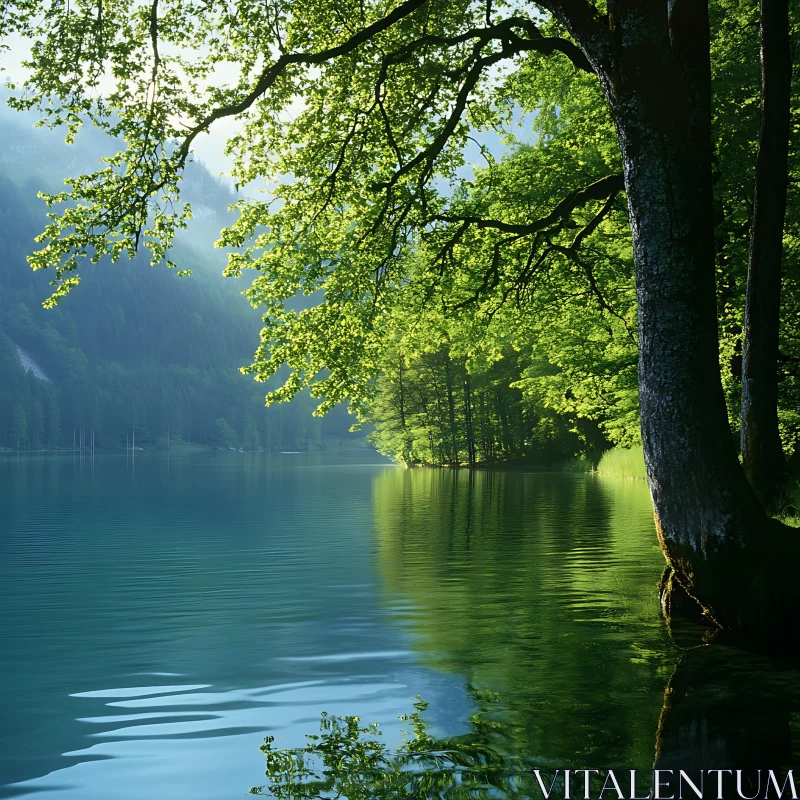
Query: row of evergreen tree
[(136, 351), (166, 408)]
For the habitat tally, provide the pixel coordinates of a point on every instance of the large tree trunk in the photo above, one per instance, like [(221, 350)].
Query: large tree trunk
[(724, 551), (762, 454)]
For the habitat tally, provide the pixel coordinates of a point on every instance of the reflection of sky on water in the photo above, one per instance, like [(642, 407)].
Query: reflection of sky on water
[(160, 623), (205, 743)]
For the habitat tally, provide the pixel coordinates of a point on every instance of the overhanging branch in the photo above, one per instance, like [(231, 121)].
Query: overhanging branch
[(504, 31), (599, 190), (606, 188), (275, 70)]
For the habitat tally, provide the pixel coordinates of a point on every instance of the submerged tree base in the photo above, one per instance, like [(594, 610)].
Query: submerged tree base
[(754, 588)]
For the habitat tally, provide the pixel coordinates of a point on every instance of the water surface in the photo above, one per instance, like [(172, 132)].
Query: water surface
[(159, 621)]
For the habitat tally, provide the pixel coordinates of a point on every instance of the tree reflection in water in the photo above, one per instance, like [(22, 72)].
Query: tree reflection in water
[(348, 759), (544, 588), (725, 708)]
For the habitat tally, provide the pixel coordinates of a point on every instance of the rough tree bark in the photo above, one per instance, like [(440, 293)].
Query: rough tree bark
[(723, 549), (762, 453)]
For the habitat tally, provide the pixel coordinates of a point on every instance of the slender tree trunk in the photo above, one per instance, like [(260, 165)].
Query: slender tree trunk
[(723, 549), (470, 428), (427, 412), (505, 432), (440, 415), (451, 409), (762, 453), (490, 428), (405, 455), (484, 428)]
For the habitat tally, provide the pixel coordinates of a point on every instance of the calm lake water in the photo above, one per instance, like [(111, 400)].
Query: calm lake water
[(158, 621)]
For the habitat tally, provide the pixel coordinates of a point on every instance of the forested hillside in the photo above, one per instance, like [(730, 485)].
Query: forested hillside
[(137, 347), (493, 337)]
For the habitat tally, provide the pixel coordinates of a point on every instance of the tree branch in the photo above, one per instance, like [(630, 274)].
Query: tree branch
[(504, 30), (591, 226), (571, 252), (274, 71), (154, 36), (602, 189), (607, 187)]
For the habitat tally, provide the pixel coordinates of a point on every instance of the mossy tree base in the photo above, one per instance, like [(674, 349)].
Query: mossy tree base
[(750, 593)]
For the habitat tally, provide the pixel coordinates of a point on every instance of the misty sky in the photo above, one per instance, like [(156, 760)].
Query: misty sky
[(209, 147)]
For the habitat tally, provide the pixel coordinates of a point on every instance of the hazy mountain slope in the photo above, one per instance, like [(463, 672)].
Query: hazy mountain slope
[(133, 345)]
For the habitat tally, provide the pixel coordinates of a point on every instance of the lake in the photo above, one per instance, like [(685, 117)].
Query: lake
[(160, 618)]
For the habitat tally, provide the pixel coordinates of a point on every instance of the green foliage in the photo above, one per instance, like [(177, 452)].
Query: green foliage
[(358, 218), (349, 760), (434, 409), (358, 122), (134, 346), (224, 435), (578, 465), (437, 408), (622, 463), (554, 333)]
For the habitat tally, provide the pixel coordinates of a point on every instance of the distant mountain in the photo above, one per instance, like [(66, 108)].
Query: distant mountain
[(132, 346)]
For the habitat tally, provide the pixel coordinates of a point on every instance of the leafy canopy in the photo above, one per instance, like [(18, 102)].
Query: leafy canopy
[(354, 119), (354, 122)]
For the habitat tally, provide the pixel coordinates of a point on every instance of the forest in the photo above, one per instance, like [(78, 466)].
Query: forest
[(509, 367), (628, 274), (527, 251), (542, 351), (142, 355)]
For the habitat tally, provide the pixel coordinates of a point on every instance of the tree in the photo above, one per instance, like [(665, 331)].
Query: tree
[(116, 351), (53, 429), (388, 94), (36, 426), (762, 452), (252, 441), (224, 434), (18, 431)]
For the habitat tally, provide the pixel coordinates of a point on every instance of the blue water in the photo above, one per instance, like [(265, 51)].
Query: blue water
[(160, 618)]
